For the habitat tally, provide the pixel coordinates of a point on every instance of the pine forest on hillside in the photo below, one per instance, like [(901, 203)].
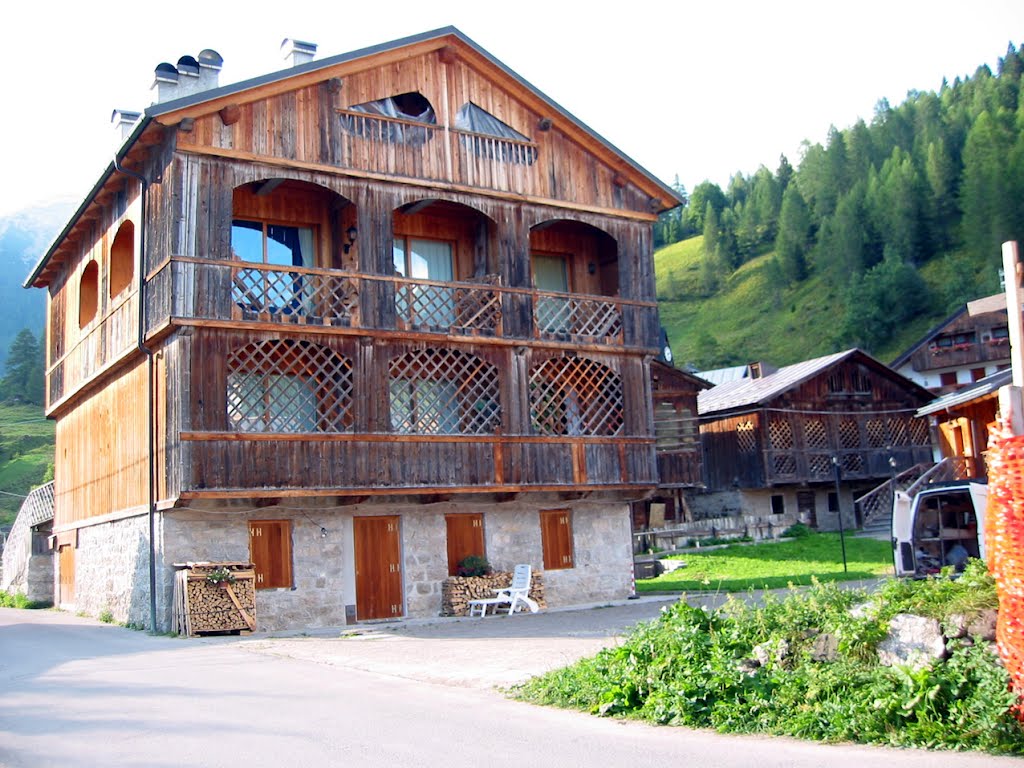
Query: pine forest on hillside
[(869, 241)]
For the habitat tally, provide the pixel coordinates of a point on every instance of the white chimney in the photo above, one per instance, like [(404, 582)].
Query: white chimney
[(190, 76), (297, 52), (124, 120)]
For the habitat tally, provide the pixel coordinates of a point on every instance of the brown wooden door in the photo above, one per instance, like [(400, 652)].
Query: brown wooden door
[(378, 567), (465, 538), (66, 555)]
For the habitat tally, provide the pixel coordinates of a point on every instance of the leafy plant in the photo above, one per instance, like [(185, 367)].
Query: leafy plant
[(797, 531), (696, 667), (220, 576), (20, 600), (474, 565), (106, 616)]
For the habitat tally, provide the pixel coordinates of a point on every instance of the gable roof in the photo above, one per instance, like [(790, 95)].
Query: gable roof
[(746, 393), (204, 102), (668, 377)]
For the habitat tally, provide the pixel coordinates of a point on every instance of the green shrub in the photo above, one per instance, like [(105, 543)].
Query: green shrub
[(474, 565), (693, 666), (20, 600), (797, 531), (106, 616)]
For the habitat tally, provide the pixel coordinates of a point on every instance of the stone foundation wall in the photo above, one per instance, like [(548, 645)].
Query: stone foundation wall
[(112, 558), (112, 570)]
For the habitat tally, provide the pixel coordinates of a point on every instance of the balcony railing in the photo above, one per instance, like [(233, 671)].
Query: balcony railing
[(208, 289), (229, 462), (421, 150)]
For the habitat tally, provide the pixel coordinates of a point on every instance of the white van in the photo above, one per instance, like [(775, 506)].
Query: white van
[(937, 527)]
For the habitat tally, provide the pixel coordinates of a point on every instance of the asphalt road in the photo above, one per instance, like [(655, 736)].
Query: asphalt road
[(77, 693)]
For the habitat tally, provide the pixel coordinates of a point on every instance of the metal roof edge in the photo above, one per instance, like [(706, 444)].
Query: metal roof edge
[(167, 107), (126, 145)]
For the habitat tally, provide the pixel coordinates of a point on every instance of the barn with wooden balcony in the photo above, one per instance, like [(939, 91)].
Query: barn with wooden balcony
[(353, 320), (776, 442)]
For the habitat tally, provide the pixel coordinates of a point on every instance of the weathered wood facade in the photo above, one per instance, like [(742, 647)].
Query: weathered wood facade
[(787, 430), (457, 309)]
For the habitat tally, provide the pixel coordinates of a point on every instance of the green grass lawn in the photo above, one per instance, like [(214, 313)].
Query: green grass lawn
[(773, 565), (26, 453)]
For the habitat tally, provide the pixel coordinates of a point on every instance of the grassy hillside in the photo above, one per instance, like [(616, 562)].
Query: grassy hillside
[(745, 321), (26, 455)]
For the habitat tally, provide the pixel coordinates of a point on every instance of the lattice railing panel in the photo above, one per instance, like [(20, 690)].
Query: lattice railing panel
[(780, 434), (559, 316), (919, 432), (784, 464), (876, 433), (849, 434), (325, 298), (815, 434), (852, 463), (820, 464), (444, 392), (575, 396), (898, 432), (288, 386), (746, 439)]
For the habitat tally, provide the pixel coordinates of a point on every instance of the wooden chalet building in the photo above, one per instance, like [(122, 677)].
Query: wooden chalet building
[(771, 441), (970, 344), (677, 446), (354, 320)]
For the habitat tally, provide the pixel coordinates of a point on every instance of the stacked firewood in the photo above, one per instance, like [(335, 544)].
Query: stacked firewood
[(201, 606), (457, 591)]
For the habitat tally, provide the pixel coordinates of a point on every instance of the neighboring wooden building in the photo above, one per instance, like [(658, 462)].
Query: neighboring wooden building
[(772, 441), (354, 320), (678, 445), (962, 422), (972, 343)]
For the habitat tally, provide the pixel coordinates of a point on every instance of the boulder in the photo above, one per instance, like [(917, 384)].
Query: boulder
[(983, 626), (825, 647), (913, 641), (773, 651)]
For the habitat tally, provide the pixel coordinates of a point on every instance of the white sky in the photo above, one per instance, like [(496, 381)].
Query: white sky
[(699, 90)]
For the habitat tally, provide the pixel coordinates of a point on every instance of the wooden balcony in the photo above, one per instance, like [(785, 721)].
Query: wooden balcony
[(975, 353), (417, 150), (241, 292), (230, 464)]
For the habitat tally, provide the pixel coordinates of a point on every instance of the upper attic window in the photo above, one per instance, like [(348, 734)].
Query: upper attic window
[(390, 119), (122, 258), (516, 148), (88, 294)]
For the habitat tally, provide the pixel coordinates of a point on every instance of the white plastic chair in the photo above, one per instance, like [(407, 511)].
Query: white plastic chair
[(515, 596)]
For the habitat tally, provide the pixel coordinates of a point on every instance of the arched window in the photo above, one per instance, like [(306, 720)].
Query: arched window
[(575, 396), (444, 392), (122, 258), (88, 294), (288, 386)]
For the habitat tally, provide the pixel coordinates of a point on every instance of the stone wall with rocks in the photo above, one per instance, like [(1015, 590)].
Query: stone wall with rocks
[(112, 570), (112, 558)]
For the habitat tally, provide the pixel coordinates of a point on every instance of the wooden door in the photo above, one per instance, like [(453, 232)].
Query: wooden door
[(378, 567), (465, 538), (66, 556)]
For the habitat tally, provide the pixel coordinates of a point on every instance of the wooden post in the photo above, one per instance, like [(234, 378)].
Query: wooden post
[(1010, 401)]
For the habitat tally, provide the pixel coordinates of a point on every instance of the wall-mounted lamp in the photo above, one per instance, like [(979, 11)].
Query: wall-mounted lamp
[(323, 533), (351, 233), (591, 268)]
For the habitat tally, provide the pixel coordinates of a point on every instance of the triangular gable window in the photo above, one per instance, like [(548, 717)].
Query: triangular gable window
[(508, 145), (388, 119), (472, 118)]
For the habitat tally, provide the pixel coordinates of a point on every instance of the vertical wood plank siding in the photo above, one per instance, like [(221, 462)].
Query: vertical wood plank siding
[(495, 199)]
